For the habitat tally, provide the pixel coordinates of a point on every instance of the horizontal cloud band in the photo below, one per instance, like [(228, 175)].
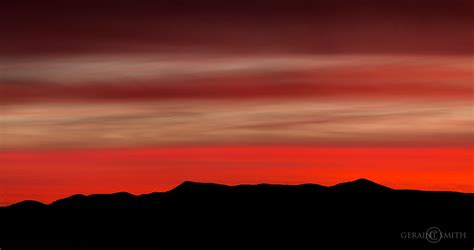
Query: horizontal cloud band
[(161, 77)]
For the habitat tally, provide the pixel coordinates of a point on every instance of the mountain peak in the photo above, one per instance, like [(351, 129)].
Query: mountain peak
[(191, 186), (359, 185), (365, 182), (28, 204)]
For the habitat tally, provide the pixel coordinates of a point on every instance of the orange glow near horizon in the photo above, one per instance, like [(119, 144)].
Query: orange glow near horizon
[(48, 175)]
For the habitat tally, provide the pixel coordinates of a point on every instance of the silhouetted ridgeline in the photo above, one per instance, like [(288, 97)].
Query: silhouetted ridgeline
[(201, 214)]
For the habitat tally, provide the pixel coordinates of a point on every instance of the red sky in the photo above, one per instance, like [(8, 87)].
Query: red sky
[(39, 174), (122, 96)]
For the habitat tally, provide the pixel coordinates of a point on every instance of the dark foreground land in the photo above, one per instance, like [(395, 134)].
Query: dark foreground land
[(198, 215)]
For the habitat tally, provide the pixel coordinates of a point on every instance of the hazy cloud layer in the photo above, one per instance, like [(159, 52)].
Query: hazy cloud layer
[(164, 77), (336, 123), (149, 100)]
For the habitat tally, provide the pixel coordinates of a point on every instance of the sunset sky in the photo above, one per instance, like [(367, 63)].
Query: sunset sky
[(140, 96)]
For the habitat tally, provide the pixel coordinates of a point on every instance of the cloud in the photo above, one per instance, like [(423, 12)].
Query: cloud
[(147, 100), (214, 122), (135, 78)]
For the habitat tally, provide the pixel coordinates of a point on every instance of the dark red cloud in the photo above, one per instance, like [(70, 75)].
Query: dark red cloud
[(297, 26), (289, 85)]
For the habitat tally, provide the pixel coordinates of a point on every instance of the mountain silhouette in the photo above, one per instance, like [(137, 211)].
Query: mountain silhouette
[(360, 185), (96, 201), (192, 190), (28, 204), (357, 213)]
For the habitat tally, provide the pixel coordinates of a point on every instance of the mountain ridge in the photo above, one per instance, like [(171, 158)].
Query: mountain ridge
[(356, 213), (360, 185)]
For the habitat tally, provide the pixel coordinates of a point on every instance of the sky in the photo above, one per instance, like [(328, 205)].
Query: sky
[(141, 96)]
